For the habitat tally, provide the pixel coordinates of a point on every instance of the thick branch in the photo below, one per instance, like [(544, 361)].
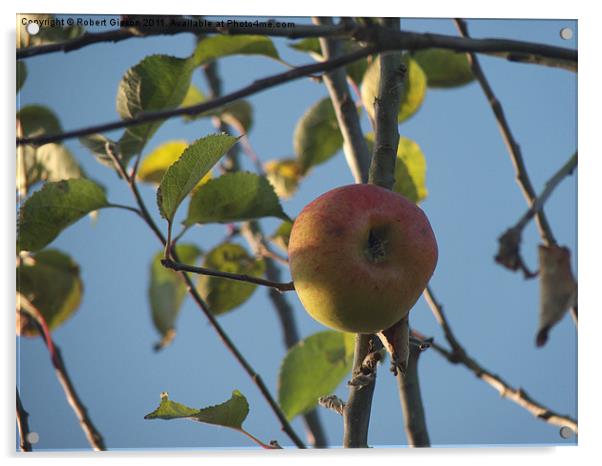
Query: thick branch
[(94, 437), (512, 50), (513, 148), (354, 144), (254, 88), (458, 355), (23, 425), (411, 401), (179, 267)]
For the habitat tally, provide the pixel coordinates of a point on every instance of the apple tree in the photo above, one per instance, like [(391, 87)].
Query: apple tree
[(376, 76)]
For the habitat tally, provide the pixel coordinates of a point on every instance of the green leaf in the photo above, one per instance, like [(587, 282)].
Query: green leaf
[(184, 174), (238, 114), (159, 82), (50, 280), (167, 291), (309, 45), (21, 74), (312, 368), (414, 88), (50, 162), (53, 208), (218, 46), (231, 413), (410, 169), (234, 197), (444, 68), (37, 120), (317, 136), (284, 175), (96, 143), (223, 295), (282, 235)]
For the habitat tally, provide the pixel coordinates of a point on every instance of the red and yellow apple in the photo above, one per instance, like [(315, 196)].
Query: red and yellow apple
[(360, 256)]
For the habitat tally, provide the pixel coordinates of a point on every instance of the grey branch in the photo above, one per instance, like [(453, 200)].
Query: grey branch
[(458, 355), (514, 149), (411, 401), (92, 434)]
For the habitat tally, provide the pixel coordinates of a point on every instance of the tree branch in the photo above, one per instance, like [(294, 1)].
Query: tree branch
[(23, 425), (458, 355), (92, 434), (192, 291), (179, 267), (354, 144), (411, 401), (522, 176), (356, 413), (254, 88), (512, 50)]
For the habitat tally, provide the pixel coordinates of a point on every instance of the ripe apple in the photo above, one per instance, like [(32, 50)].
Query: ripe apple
[(360, 256)]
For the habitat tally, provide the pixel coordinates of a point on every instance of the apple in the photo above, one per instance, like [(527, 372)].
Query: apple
[(360, 256)]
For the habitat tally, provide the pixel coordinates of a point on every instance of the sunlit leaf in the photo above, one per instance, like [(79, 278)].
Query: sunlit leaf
[(53, 208), (312, 368), (317, 135), (284, 175), (231, 413), (50, 162), (216, 46), (413, 90), (444, 68), (184, 174), (223, 295), (234, 197), (50, 280)]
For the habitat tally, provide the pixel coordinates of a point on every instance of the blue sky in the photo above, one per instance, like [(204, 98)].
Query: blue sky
[(473, 198)]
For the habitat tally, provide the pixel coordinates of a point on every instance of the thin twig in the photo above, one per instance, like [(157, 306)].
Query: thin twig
[(92, 434), (179, 267), (522, 176), (192, 291), (458, 355), (257, 86), (23, 425), (509, 250)]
